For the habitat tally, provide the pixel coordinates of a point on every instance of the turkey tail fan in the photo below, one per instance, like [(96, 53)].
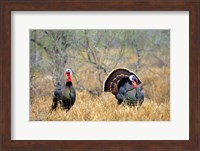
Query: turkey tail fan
[(116, 76)]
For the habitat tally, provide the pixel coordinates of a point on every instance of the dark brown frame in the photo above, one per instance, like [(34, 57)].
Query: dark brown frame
[(6, 6)]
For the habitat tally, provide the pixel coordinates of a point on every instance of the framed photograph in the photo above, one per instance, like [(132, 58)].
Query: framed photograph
[(93, 66), (92, 75)]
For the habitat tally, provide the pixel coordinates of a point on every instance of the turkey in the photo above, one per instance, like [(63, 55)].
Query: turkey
[(66, 94), (125, 85)]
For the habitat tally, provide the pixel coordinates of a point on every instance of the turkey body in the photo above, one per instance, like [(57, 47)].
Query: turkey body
[(65, 95), (126, 93), (119, 84), (129, 95)]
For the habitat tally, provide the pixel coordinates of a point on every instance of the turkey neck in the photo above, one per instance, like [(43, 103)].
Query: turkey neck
[(134, 84), (69, 78), (69, 84), (69, 81)]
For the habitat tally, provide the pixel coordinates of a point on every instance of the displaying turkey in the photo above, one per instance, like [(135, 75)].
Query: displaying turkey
[(125, 85), (66, 94)]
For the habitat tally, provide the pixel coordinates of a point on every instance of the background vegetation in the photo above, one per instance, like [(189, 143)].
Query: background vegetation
[(92, 54)]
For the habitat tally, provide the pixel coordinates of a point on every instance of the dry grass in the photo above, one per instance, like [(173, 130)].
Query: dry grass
[(102, 108), (87, 107)]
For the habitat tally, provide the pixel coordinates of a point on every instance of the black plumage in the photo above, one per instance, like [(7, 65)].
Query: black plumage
[(65, 95)]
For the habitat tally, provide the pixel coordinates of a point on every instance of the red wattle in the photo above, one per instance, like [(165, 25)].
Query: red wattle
[(69, 78), (134, 84)]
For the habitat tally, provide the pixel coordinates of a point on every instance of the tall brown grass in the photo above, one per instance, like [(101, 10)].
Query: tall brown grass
[(88, 107)]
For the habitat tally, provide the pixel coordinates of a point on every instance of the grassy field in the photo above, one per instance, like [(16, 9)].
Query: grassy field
[(88, 107)]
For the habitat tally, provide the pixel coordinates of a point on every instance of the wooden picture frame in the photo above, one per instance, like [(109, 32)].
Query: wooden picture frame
[(7, 6)]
